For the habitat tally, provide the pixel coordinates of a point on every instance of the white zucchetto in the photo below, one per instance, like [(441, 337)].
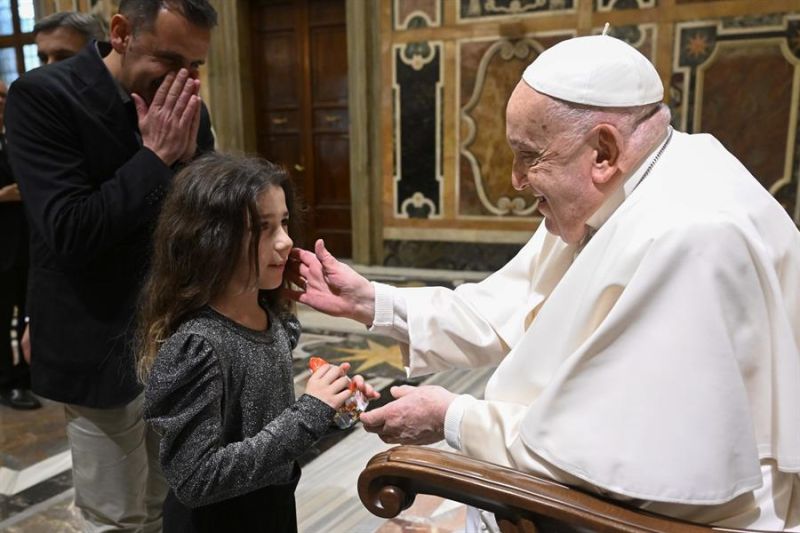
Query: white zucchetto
[(597, 70)]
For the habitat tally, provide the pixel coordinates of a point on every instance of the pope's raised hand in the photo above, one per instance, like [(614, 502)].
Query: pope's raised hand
[(330, 286)]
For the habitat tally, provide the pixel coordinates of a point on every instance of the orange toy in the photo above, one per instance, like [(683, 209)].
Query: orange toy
[(315, 362)]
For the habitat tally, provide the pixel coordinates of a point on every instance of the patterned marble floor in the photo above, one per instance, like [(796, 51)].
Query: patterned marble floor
[(35, 479)]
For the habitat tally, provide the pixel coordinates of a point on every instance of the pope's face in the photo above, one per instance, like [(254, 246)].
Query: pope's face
[(555, 168), (148, 55)]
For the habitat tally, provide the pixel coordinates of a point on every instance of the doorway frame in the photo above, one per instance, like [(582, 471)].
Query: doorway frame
[(231, 98)]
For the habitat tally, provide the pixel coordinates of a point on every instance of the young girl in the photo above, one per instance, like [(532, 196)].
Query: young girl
[(216, 346)]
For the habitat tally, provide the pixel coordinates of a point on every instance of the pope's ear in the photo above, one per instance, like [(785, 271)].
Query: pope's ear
[(607, 143), (120, 33)]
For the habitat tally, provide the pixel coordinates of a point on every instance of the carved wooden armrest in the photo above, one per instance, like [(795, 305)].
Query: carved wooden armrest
[(392, 479)]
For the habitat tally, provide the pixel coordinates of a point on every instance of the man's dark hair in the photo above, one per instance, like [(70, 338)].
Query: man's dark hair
[(143, 13), (85, 24)]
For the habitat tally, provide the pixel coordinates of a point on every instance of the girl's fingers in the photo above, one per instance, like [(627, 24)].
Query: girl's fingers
[(322, 372), (329, 373), (342, 396), (341, 383)]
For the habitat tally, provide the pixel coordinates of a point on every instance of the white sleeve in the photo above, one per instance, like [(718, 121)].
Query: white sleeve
[(453, 327), (471, 326), (445, 324), (390, 313), (449, 329), (453, 417)]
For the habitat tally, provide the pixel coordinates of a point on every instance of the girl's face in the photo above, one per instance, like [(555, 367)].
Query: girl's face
[(275, 244)]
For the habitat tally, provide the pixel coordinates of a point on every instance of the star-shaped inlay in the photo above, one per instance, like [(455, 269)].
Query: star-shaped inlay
[(373, 355), (697, 45)]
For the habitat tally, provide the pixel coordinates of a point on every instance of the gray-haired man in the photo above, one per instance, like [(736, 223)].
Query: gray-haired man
[(62, 35)]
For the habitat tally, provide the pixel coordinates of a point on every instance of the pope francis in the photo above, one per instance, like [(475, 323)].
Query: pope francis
[(646, 337)]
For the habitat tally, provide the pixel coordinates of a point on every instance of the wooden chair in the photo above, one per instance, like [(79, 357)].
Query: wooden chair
[(392, 479)]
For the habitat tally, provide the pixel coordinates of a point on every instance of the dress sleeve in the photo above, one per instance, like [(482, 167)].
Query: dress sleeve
[(183, 402), (292, 327)]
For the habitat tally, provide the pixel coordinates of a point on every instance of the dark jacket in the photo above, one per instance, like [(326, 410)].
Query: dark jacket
[(13, 229), (92, 194)]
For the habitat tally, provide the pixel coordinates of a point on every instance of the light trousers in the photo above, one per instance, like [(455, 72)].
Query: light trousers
[(118, 481)]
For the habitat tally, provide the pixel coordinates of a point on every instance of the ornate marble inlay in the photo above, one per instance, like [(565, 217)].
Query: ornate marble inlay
[(482, 9), (608, 5), (417, 86), (739, 79)]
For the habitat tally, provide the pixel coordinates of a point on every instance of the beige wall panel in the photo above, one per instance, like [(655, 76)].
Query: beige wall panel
[(486, 44)]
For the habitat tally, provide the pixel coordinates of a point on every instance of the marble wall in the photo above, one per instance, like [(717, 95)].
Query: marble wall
[(732, 68)]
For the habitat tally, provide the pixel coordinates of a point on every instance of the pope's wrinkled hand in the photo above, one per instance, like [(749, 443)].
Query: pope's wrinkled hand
[(416, 416), (366, 389), (329, 286)]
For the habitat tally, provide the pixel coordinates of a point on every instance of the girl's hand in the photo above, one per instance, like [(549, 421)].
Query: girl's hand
[(330, 384)]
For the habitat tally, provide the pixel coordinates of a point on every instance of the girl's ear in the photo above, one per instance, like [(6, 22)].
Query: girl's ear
[(607, 144)]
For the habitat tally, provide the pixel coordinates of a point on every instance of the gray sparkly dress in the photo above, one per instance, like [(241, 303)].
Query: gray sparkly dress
[(221, 396)]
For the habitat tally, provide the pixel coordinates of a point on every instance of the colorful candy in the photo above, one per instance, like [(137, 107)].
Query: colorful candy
[(347, 415)]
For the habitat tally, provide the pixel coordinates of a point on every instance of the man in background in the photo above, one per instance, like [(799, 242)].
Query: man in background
[(58, 37), (15, 380), (96, 139), (62, 35)]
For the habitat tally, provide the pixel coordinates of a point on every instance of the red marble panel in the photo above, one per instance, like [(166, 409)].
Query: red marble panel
[(746, 100), (469, 202), (489, 145), (485, 115), (471, 54)]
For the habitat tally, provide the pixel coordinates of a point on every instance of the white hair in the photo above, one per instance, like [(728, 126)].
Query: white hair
[(639, 125)]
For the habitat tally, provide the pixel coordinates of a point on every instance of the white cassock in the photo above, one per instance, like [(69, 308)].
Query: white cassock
[(661, 365)]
